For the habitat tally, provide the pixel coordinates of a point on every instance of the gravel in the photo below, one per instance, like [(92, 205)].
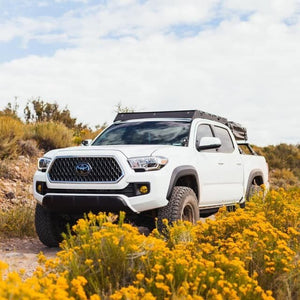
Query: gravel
[(21, 254)]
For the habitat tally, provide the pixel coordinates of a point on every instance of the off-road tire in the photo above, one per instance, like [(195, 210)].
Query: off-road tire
[(252, 189), (183, 205), (49, 226)]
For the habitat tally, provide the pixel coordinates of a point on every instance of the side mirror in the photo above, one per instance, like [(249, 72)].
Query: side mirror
[(86, 142), (209, 143)]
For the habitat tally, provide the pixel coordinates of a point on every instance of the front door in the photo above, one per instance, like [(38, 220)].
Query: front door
[(208, 170)]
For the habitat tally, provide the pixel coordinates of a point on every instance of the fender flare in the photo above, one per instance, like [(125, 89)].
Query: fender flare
[(180, 172)]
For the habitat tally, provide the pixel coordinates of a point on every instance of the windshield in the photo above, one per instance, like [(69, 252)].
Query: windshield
[(146, 133)]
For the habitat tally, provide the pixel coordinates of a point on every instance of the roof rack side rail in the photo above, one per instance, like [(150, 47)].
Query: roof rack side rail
[(189, 114)]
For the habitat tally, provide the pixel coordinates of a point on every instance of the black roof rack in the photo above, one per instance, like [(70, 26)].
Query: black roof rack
[(239, 132)]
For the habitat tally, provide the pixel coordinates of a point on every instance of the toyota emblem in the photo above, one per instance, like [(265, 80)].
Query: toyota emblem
[(83, 169)]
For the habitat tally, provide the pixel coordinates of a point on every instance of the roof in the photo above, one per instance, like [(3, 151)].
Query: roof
[(239, 132), (178, 114)]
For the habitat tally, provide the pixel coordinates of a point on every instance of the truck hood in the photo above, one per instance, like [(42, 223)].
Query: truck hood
[(127, 150)]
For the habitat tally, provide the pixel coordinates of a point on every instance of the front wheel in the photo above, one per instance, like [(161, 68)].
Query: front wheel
[(183, 205), (49, 226)]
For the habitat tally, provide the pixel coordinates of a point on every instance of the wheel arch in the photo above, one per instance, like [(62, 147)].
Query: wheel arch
[(255, 176), (184, 176)]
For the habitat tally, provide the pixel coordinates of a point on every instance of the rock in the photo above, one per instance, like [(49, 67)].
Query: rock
[(144, 230), (14, 254), (10, 195), (14, 201)]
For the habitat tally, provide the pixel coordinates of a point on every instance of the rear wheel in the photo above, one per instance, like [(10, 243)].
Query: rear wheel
[(183, 205), (252, 190), (49, 226)]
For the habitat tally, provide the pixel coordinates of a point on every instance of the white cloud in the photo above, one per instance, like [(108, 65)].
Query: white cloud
[(115, 17), (70, 1), (247, 71), (27, 29), (276, 9)]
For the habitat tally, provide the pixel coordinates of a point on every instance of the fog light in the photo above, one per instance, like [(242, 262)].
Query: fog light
[(143, 189), (39, 188)]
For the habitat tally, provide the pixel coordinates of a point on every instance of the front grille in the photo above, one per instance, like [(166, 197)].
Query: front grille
[(100, 169)]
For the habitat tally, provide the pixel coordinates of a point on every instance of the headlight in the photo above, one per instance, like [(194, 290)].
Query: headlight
[(43, 163), (150, 163)]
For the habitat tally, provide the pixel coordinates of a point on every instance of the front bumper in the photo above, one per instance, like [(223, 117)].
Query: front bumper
[(85, 203), (121, 196)]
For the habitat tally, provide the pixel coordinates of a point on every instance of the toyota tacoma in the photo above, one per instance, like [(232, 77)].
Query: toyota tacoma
[(167, 164)]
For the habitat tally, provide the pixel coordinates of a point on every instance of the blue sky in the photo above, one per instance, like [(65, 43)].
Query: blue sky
[(37, 41), (234, 58), (15, 11)]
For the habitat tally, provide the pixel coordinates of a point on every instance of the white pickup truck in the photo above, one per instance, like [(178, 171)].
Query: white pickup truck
[(174, 165)]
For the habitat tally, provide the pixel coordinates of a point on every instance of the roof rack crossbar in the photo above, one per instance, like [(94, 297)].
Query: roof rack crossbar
[(239, 132)]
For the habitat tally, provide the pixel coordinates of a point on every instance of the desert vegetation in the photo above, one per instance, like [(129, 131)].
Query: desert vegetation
[(252, 253), (42, 126), (284, 163), (246, 254)]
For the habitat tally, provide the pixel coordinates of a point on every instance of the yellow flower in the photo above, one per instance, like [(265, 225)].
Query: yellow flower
[(140, 276), (170, 277), (211, 279)]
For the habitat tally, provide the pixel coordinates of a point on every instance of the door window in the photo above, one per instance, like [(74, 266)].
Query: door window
[(226, 141), (204, 130)]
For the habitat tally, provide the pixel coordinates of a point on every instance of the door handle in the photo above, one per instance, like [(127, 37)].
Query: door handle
[(238, 164), (220, 163)]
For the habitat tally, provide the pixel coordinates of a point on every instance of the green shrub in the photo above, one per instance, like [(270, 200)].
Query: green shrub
[(11, 131), (51, 135)]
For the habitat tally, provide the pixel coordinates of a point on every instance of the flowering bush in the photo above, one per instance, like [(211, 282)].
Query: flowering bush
[(246, 254)]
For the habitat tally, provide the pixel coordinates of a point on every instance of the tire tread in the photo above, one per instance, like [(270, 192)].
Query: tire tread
[(172, 210), (46, 228)]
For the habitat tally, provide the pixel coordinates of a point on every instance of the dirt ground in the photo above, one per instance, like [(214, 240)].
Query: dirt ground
[(22, 253), (16, 189)]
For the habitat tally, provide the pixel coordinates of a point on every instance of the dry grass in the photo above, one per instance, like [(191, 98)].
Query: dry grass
[(17, 221), (50, 135), (11, 131)]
